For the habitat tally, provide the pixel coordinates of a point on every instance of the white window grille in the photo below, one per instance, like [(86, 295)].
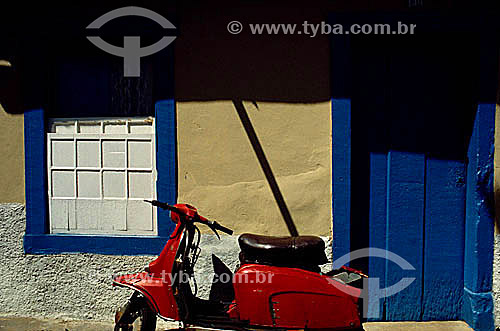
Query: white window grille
[(100, 171)]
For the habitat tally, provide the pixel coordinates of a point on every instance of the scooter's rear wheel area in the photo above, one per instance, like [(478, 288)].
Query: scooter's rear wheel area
[(135, 316)]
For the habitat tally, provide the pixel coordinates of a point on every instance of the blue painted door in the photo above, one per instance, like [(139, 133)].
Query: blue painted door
[(412, 115)]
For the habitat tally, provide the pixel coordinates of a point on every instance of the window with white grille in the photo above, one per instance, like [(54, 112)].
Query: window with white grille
[(99, 172)]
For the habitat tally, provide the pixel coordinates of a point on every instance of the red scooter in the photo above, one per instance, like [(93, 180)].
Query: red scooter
[(277, 285)]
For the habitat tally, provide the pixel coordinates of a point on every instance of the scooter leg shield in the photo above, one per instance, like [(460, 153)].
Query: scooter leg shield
[(222, 289)]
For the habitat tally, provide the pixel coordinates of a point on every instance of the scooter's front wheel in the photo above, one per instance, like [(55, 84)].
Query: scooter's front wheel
[(136, 315), (146, 321)]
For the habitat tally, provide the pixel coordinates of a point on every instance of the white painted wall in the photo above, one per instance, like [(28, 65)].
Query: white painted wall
[(78, 286), (71, 286)]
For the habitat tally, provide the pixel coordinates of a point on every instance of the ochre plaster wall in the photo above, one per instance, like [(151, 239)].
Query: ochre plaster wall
[(11, 157), (219, 172)]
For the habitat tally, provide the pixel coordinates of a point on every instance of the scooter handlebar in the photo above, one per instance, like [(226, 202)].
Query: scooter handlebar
[(164, 205), (213, 224), (222, 228)]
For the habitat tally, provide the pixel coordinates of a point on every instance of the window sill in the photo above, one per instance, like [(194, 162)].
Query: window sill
[(96, 244)]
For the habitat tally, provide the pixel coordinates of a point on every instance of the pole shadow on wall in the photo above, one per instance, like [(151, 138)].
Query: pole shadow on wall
[(266, 168)]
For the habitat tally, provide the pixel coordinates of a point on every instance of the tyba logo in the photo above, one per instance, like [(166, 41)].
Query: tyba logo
[(131, 50), (371, 292)]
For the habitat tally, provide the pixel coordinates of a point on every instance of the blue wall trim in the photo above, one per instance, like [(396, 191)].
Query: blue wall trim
[(444, 240), (35, 172), (341, 168), (479, 224), (38, 241), (478, 310), (378, 229), (341, 142), (405, 237), (166, 161), (111, 245), (479, 228)]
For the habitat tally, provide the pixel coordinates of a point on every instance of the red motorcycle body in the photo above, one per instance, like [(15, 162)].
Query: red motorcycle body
[(264, 295), (293, 298), (155, 283)]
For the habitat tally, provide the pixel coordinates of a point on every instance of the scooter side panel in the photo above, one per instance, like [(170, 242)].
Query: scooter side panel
[(312, 310), (294, 298), (157, 290)]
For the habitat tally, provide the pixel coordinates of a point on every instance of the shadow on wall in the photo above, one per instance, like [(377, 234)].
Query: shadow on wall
[(390, 89), (9, 89), (212, 64)]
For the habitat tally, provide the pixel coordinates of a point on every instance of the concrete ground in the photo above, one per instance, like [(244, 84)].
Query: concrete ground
[(9, 323), (414, 326), (34, 324)]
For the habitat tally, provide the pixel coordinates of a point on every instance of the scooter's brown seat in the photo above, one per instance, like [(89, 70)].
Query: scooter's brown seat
[(305, 252)]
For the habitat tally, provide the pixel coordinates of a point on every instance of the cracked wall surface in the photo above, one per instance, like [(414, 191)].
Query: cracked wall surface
[(77, 286), (61, 286)]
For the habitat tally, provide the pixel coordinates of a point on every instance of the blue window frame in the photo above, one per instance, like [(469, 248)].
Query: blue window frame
[(83, 81), (37, 239)]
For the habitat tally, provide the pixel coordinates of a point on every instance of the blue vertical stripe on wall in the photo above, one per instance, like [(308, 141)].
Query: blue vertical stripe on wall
[(405, 236), (378, 194), (479, 225), (341, 168), (35, 172), (444, 239), (478, 300), (166, 161), (340, 50)]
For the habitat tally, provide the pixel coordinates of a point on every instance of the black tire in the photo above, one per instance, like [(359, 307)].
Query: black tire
[(146, 321), (136, 315)]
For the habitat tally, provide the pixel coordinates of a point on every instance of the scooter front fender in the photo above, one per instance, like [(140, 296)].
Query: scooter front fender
[(157, 291)]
